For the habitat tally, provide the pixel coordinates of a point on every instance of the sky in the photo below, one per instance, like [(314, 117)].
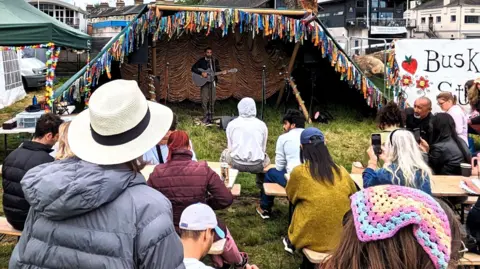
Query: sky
[(83, 3)]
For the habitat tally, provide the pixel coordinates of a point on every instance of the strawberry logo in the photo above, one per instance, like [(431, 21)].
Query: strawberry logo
[(410, 65)]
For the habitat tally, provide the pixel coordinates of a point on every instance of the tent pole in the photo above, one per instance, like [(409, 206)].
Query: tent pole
[(289, 71), (251, 10)]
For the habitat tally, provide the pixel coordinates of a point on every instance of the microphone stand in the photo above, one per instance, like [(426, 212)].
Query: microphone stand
[(168, 84), (264, 86), (212, 86)]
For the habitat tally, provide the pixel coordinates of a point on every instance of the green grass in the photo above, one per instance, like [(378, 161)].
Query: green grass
[(347, 140)]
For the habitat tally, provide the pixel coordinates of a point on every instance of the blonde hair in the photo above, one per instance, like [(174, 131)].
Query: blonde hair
[(402, 150), (64, 150)]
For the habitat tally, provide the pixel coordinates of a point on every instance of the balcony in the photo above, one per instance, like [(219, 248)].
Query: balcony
[(75, 23), (357, 23), (388, 22)]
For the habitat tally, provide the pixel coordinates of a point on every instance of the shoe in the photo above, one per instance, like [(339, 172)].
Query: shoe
[(205, 120), (244, 261), (288, 247), (265, 214)]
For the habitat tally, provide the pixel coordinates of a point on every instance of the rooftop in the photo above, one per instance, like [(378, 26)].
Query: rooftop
[(113, 11), (439, 4)]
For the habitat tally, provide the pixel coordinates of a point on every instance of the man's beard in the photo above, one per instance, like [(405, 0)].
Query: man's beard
[(416, 116)]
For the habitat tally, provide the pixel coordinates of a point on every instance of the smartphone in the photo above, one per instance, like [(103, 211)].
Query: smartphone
[(377, 143), (416, 133)]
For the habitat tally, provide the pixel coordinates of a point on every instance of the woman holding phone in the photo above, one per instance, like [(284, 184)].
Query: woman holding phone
[(404, 163)]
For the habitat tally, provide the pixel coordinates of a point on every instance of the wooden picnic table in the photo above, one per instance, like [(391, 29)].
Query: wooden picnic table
[(442, 186), (233, 173)]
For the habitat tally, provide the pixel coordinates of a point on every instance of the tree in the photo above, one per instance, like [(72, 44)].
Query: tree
[(190, 2)]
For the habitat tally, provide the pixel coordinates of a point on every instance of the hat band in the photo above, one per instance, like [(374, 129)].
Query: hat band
[(122, 138)]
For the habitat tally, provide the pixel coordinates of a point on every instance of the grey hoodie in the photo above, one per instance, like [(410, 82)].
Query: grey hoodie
[(89, 216)]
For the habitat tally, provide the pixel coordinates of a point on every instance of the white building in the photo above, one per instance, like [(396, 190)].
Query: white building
[(444, 19), (64, 12)]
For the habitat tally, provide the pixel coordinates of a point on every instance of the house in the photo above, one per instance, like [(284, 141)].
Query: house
[(364, 24), (67, 13), (444, 19), (105, 21)]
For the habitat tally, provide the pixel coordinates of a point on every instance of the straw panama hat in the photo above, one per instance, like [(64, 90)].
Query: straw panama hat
[(120, 125)]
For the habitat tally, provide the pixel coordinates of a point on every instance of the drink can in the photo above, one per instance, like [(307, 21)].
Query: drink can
[(224, 172)]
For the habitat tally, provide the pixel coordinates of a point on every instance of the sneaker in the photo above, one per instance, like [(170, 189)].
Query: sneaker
[(288, 247), (265, 214), (244, 262)]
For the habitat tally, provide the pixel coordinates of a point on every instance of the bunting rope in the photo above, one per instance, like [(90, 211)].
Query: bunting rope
[(269, 25)]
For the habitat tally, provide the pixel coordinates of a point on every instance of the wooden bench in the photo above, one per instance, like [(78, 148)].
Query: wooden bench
[(236, 189), (6, 228), (217, 247), (471, 200), (274, 189), (470, 260), (314, 257)]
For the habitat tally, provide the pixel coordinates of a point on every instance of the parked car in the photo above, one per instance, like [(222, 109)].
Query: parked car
[(33, 72)]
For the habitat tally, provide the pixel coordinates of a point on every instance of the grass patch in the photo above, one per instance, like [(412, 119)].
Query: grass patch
[(347, 140)]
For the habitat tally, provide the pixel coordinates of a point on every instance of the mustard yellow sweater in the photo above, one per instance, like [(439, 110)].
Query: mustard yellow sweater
[(319, 208)]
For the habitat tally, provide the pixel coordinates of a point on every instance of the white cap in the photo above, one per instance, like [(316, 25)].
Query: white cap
[(200, 217)]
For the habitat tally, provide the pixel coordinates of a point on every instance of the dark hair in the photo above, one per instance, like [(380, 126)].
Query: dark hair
[(47, 123), (400, 251), (208, 48), (293, 116), (319, 160), (136, 165), (390, 115), (173, 127), (443, 127)]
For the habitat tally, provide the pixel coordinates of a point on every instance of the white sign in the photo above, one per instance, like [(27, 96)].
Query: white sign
[(430, 66), (387, 30)]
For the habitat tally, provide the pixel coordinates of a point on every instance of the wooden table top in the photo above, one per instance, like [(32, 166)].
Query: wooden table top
[(233, 173), (442, 186)]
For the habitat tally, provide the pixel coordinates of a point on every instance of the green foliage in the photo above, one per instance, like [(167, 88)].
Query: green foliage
[(190, 2)]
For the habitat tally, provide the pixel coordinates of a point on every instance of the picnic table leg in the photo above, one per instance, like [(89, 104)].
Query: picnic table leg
[(462, 213)]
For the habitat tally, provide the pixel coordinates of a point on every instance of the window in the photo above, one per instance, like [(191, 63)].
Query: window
[(386, 15), (339, 13), (453, 18), (439, 19), (361, 3), (375, 3), (423, 20), (471, 19)]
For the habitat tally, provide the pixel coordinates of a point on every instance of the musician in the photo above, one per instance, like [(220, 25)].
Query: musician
[(208, 91)]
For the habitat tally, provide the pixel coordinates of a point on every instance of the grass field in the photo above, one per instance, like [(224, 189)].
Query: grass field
[(347, 140)]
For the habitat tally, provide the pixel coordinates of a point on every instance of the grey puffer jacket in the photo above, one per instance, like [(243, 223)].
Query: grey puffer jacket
[(87, 216)]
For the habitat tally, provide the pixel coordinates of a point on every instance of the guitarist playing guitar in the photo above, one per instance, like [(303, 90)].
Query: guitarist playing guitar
[(204, 67)]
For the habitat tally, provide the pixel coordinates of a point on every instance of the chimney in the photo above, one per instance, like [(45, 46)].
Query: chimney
[(89, 8), (446, 2), (120, 3), (138, 2), (104, 5)]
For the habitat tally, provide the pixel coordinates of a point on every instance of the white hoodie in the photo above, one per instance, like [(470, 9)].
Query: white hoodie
[(247, 135)]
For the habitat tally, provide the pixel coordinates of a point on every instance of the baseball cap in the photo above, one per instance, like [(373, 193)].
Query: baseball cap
[(308, 133), (200, 217)]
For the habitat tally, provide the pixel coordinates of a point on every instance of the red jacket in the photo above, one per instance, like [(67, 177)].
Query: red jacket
[(185, 182)]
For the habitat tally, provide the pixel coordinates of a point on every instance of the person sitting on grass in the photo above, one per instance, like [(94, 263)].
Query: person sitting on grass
[(159, 153), (397, 227), (198, 228), (390, 118), (287, 157), (29, 155), (247, 140), (404, 164), (185, 182), (319, 191)]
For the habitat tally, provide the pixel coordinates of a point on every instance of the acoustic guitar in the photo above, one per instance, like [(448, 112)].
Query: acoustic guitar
[(199, 81)]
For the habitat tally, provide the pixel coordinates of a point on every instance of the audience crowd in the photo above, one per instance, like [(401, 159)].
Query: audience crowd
[(90, 207)]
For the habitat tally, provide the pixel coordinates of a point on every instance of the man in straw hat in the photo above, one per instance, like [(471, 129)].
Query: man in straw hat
[(96, 211)]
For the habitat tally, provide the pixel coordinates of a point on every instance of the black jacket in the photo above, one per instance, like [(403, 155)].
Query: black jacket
[(423, 124), (15, 166), (445, 157), (204, 64)]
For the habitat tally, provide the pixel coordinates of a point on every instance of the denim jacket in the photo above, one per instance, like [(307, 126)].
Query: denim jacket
[(382, 177)]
